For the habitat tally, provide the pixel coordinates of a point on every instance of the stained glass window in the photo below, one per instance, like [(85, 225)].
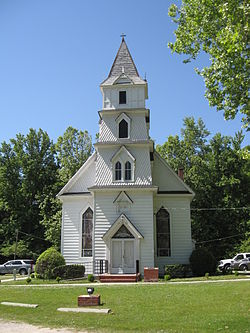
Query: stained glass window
[(163, 233), (123, 232), (87, 227)]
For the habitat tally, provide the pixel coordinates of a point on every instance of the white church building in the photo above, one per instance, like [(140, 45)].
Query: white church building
[(125, 208)]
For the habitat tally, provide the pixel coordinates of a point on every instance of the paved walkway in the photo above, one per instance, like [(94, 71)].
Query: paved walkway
[(17, 279), (18, 327)]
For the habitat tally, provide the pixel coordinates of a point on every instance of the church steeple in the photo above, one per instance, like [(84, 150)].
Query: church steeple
[(123, 63)]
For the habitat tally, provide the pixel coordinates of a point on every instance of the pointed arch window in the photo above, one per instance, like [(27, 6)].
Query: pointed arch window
[(123, 129), (87, 228), (128, 172), (163, 233), (118, 171)]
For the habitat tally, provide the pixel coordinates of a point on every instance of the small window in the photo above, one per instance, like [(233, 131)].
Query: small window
[(163, 233), (123, 129), (127, 170), (118, 171), (122, 97), (87, 226)]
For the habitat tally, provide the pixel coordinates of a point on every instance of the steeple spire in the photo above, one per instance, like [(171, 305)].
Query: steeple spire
[(123, 62)]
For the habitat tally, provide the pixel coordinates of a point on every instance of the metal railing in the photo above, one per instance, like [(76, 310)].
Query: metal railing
[(96, 267)]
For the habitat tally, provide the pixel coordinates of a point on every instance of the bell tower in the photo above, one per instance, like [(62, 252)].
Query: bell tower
[(123, 148)]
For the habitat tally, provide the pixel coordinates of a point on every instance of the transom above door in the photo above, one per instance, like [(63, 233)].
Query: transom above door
[(123, 251)]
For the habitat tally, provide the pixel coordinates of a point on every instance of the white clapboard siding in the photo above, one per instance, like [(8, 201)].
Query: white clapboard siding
[(140, 214), (180, 229), (73, 208), (135, 97), (109, 127)]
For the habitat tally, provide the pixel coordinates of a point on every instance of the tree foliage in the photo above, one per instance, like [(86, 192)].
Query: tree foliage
[(32, 171), (73, 149), (220, 29), (218, 171)]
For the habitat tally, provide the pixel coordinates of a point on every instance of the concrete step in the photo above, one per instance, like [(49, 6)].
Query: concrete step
[(119, 277)]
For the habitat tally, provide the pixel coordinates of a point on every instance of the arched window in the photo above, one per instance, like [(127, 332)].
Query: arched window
[(127, 170), (118, 171), (123, 129), (87, 227), (163, 233)]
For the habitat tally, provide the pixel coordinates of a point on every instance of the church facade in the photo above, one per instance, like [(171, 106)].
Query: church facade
[(125, 208)]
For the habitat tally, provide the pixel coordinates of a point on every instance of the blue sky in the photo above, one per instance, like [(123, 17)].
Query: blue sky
[(55, 53)]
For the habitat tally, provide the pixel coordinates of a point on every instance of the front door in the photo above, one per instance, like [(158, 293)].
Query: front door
[(123, 256)]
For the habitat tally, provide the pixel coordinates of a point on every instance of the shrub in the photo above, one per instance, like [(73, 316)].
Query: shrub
[(28, 280), (167, 277), (47, 261), (178, 271), (69, 271), (32, 275), (91, 278), (58, 279), (202, 261)]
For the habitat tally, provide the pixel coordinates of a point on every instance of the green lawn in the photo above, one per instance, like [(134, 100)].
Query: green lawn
[(242, 275), (222, 307)]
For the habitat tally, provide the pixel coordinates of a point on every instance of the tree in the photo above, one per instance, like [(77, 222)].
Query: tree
[(217, 171), (220, 29), (28, 173), (73, 149)]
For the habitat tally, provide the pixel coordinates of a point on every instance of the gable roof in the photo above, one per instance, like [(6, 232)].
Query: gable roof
[(85, 176), (119, 151), (123, 197), (122, 220), (166, 179)]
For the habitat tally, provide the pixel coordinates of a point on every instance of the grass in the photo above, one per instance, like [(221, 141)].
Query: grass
[(222, 307), (80, 281)]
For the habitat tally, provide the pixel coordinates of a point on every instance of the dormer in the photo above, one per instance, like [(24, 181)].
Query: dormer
[(124, 88)]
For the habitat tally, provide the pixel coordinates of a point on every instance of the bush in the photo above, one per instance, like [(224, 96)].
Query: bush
[(28, 280), (91, 278), (178, 271), (58, 279), (167, 277), (202, 261), (32, 275), (69, 271), (47, 261)]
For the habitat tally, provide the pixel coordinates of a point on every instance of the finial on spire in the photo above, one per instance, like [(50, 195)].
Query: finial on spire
[(122, 36)]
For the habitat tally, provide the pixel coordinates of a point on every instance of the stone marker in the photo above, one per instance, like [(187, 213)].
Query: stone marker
[(84, 310), (20, 304)]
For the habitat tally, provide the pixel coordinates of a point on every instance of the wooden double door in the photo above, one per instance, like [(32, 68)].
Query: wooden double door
[(122, 256)]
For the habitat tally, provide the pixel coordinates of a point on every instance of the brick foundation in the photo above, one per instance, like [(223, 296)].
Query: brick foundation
[(151, 274), (86, 300)]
